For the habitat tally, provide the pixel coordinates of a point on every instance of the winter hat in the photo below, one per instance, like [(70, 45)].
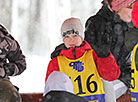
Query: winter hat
[(72, 26), (118, 4), (135, 14), (58, 81)]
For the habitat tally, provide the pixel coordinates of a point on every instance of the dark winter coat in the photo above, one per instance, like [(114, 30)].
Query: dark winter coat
[(131, 40), (131, 37), (104, 65), (115, 28), (12, 59)]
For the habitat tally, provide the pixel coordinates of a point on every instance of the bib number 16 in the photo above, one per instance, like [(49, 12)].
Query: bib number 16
[(88, 84)]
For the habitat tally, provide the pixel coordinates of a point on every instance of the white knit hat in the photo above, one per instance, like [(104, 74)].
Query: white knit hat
[(58, 81), (72, 26)]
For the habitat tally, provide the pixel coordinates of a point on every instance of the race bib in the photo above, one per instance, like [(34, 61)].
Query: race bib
[(84, 75)]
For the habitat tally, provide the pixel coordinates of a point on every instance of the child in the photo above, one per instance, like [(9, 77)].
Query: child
[(134, 64), (82, 64)]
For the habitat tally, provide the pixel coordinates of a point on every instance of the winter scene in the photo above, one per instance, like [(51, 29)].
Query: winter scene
[(107, 30)]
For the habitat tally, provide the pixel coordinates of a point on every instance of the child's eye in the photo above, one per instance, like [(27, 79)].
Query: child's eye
[(66, 36)]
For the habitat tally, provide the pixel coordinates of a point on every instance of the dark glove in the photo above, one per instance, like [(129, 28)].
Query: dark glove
[(9, 68), (62, 96), (57, 50), (103, 40)]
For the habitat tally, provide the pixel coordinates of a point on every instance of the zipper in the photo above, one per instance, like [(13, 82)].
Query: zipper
[(74, 53)]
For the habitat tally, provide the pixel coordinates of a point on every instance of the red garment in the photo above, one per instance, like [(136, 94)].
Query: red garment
[(135, 14), (107, 67)]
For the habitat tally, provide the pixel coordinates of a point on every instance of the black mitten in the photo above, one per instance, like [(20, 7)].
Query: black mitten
[(57, 50), (104, 40)]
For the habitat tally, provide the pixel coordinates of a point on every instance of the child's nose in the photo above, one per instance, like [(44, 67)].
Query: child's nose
[(71, 39)]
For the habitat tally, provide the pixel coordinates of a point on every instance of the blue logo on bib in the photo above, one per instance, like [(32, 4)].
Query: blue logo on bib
[(78, 66)]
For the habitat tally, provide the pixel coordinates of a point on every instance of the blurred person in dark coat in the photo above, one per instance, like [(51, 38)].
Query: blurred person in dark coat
[(114, 17)]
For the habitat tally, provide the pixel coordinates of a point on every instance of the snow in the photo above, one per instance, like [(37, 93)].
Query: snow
[(33, 78)]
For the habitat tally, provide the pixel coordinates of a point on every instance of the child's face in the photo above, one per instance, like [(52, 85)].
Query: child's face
[(72, 40)]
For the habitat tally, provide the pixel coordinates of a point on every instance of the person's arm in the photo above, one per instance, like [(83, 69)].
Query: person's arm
[(12, 61), (52, 66), (90, 31), (97, 34), (57, 50), (107, 67), (16, 62)]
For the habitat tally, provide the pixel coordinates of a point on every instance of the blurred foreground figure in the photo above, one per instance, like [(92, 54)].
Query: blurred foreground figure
[(59, 88), (12, 63), (62, 96)]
